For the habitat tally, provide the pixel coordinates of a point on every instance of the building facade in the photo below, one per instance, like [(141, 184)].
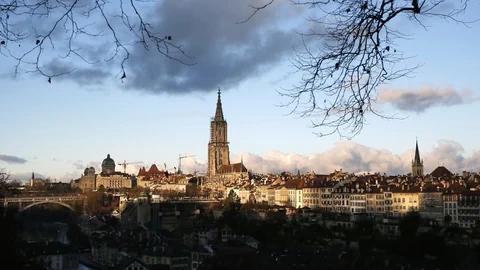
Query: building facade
[(88, 179), (115, 180)]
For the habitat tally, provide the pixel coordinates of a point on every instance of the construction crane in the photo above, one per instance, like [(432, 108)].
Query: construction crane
[(125, 163), (180, 157)]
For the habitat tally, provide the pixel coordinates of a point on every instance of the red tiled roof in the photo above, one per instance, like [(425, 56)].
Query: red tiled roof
[(232, 168), (154, 170), (142, 172), (295, 183)]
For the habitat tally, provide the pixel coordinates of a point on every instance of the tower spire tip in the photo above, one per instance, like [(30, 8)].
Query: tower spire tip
[(219, 110)]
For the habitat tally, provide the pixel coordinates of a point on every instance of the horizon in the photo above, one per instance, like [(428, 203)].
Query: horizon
[(163, 110)]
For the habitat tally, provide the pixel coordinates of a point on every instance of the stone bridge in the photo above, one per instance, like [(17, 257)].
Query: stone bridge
[(23, 203)]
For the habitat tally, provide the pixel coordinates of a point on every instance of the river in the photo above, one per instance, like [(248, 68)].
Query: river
[(49, 231), (46, 231)]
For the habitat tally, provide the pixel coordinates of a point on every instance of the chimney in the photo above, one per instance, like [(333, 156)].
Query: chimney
[(421, 188)]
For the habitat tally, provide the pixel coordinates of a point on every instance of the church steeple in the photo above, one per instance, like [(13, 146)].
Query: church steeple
[(32, 181), (417, 153), (417, 163), (219, 111), (218, 150)]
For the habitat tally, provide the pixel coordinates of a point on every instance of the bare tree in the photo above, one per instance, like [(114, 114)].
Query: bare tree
[(30, 30), (343, 64), (4, 176), (4, 179)]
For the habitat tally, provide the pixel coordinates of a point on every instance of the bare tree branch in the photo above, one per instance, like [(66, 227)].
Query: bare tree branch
[(343, 65), (65, 22), (255, 10)]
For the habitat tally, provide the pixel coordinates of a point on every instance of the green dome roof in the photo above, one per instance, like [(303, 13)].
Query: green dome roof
[(108, 161)]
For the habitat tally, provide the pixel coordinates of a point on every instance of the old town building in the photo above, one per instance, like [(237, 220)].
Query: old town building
[(219, 166)]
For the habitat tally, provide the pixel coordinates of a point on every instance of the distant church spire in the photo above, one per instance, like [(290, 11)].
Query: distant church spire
[(219, 111), (417, 154), (417, 163), (32, 181)]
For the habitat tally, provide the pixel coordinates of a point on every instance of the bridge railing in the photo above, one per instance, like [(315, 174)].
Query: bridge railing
[(37, 199)]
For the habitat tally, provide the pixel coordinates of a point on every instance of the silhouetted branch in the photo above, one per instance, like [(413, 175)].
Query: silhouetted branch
[(354, 54), (256, 9), (67, 24)]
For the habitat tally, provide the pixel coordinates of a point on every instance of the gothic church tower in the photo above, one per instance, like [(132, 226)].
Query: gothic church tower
[(218, 150), (417, 163)]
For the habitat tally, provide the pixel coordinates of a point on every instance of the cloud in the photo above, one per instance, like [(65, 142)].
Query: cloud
[(422, 99), (356, 158), (225, 53), (84, 76), (79, 165), (67, 177), (191, 165), (12, 159), (133, 168)]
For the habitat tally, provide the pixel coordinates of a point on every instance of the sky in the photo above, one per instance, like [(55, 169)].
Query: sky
[(162, 108)]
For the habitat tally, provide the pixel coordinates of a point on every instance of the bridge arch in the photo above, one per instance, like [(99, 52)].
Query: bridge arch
[(45, 202)]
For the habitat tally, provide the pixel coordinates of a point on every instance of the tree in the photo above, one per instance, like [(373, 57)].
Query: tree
[(6, 183), (30, 29), (232, 199), (4, 177), (355, 53), (135, 192), (231, 209), (447, 220), (409, 225), (96, 203)]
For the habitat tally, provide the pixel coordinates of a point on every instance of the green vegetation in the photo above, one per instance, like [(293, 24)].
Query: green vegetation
[(99, 203)]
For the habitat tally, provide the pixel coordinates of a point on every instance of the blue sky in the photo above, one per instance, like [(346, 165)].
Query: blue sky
[(62, 127)]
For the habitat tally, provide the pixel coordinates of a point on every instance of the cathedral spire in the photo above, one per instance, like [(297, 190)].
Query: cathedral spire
[(417, 154), (219, 111)]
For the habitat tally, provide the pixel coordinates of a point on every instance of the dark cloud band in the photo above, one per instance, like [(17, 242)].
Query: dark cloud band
[(12, 159)]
